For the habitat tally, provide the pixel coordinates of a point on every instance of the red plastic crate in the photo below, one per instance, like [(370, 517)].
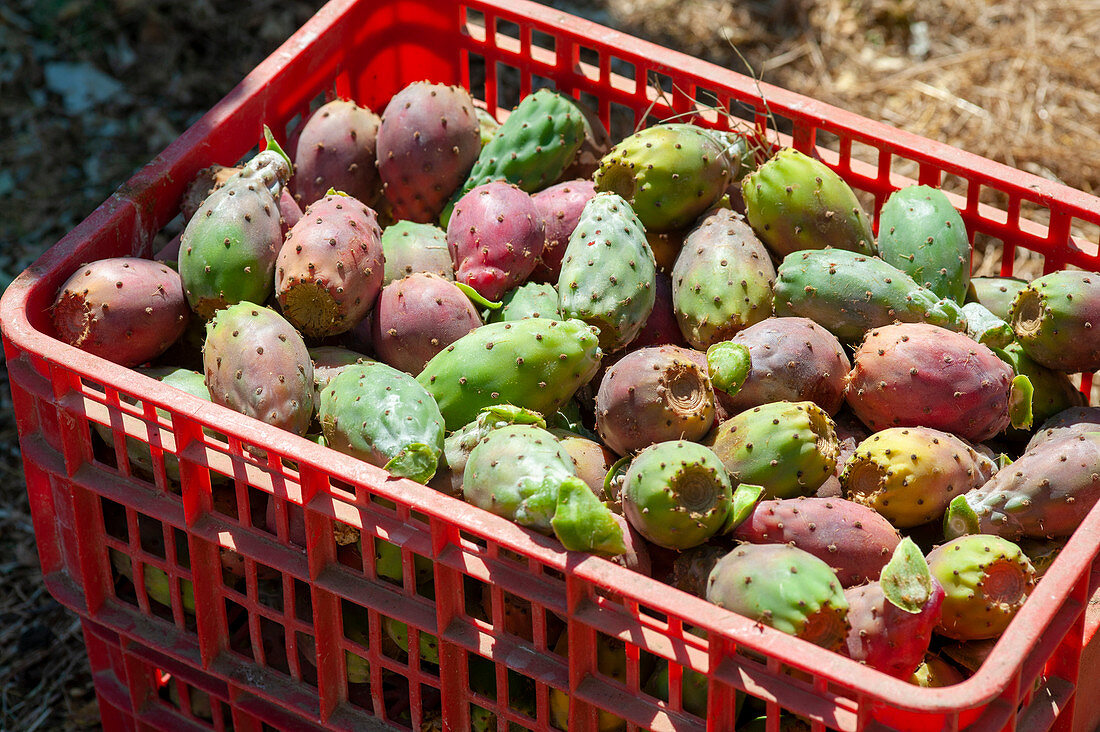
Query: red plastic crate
[(268, 639)]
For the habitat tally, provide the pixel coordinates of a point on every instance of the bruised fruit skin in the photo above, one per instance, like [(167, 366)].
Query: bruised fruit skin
[(917, 374), (428, 140), (417, 317), (256, 363), (495, 236), (795, 202), (910, 474), (1057, 318), (1045, 493), (783, 587), (409, 247), (125, 309), (722, 280), (337, 149), (534, 363), (330, 267), (793, 359), (853, 540), (986, 580), (789, 448), (653, 395), (560, 206), (677, 494)]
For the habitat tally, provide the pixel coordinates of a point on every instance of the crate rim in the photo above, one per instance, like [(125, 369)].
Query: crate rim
[(994, 675)]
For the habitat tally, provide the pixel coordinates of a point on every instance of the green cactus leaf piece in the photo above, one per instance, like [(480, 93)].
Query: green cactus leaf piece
[(1019, 402), (728, 365), (582, 523), (272, 144), (906, 580), (416, 462), (477, 299), (985, 327), (960, 519), (745, 498)]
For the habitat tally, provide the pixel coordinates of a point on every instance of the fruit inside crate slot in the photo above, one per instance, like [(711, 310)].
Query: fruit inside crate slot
[(696, 352)]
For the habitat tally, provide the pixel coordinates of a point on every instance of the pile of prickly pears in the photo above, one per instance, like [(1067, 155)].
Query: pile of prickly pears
[(689, 352)]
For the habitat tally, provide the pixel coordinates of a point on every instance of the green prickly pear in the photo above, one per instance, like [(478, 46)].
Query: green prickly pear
[(458, 445), (1056, 319), (923, 235), (410, 247), (677, 494), (383, 416), (995, 293), (531, 300), (608, 274), (534, 363), (795, 202), (985, 327), (722, 280), (669, 173), (986, 580)]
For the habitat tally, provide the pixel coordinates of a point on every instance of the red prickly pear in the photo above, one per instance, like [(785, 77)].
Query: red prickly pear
[(329, 270), (1067, 423), (428, 140), (854, 540), (125, 309), (417, 317), (894, 637), (496, 236), (662, 328), (337, 149), (560, 207), (596, 144)]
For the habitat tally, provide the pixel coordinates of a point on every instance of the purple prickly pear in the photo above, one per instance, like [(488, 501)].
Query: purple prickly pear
[(784, 587), (428, 140), (793, 359), (653, 395), (892, 618), (496, 236), (852, 539), (918, 374), (329, 269), (336, 149), (417, 317), (125, 309), (256, 363), (986, 580), (560, 206)]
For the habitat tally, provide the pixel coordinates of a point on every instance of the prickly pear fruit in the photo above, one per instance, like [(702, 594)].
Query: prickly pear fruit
[(917, 374), (790, 448), (487, 125), (381, 415), (158, 585), (328, 361), (784, 587), (1054, 391), (608, 274), (884, 635), (458, 445), (531, 300), (722, 280), (560, 206), (985, 327), (677, 494), (986, 578), (610, 662), (653, 395), (693, 689), (1067, 423), (256, 363), (531, 148), (691, 568), (337, 149), (409, 247), (495, 237), (1055, 318), (669, 174), (417, 317), (852, 539), (535, 363), (1045, 493), (666, 248), (124, 309), (850, 294), (661, 327), (205, 182), (995, 293), (428, 140), (935, 673), (330, 267), (795, 202), (590, 459), (923, 235), (910, 474), (520, 472), (228, 249), (595, 145), (792, 359)]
